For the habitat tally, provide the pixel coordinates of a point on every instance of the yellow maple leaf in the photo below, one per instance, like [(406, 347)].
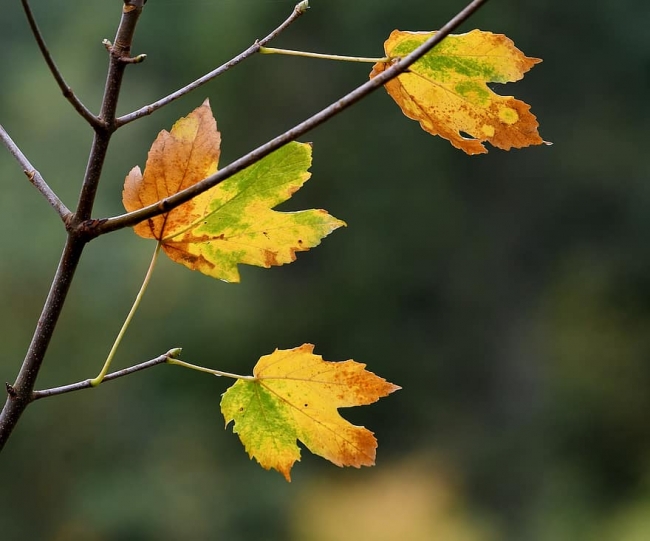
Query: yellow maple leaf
[(233, 222), (446, 90), (294, 395)]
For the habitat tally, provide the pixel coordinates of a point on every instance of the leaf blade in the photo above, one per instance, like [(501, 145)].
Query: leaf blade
[(302, 393), (239, 225), (446, 90), (232, 223)]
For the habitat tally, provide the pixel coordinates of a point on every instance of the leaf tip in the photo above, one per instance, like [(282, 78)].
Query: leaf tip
[(340, 223), (286, 474)]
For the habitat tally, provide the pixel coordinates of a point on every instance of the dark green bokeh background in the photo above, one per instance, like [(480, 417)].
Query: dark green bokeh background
[(508, 294)]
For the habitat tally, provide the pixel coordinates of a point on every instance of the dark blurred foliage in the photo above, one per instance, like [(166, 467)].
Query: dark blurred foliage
[(509, 294)]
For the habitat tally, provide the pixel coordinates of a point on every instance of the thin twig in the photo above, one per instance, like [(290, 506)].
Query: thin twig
[(67, 91), (148, 109), (87, 384), (100, 227), (35, 177)]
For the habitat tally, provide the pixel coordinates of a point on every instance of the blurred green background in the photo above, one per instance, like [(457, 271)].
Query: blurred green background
[(508, 294)]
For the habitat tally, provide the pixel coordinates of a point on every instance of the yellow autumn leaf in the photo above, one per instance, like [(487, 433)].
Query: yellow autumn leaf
[(446, 90), (232, 223), (295, 396)]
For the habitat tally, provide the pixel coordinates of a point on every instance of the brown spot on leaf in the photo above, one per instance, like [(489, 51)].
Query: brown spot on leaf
[(270, 258), (179, 252)]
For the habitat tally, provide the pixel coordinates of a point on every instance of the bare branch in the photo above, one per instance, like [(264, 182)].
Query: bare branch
[(119, 57), (100, 227), (67, 91), (22, 389), (35, 177), (86, 384), (148, 109)]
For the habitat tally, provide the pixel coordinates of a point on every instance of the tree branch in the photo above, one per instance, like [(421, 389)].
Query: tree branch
[(87, 383), (19, 396), (100, 227), (20, 393), (67, 91), (81, 229), (35, 177), (119, 54), (148, 109)]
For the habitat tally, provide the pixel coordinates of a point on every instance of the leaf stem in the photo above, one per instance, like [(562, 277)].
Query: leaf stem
[(136, 303), (289, 52), (219, 373)]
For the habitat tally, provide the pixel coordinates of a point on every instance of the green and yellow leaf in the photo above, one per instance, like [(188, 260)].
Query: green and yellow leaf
[(232, 223), (446, 90), (295, 396)]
